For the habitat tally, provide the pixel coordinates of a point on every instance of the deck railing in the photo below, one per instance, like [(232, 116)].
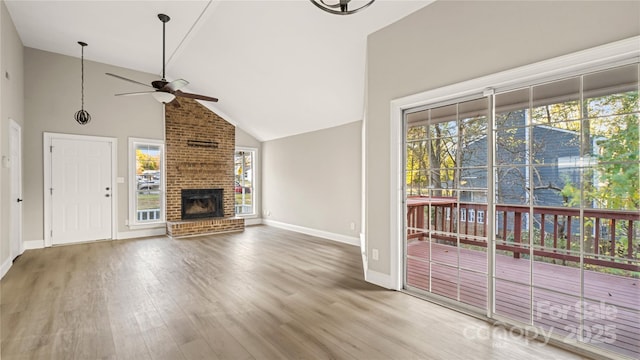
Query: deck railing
[(610, 238)]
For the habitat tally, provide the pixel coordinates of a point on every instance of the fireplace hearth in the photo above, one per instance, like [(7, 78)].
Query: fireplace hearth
[(202, 203)]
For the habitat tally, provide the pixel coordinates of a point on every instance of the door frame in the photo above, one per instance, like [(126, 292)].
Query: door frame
[(15, 249), (46, 149), (616, 53)]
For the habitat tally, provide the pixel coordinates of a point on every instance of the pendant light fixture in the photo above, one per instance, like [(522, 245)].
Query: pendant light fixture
[(82, 116), (342, 5)]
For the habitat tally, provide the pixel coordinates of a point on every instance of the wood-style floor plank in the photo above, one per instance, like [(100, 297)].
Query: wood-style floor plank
[(265, 293)]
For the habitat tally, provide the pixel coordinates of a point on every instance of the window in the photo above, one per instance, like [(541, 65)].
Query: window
[(245, 165), (472, 215), (480, 218), (146, 184), (463, 214)]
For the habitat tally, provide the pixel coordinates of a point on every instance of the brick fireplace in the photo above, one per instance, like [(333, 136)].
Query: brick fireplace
[(200, 147)]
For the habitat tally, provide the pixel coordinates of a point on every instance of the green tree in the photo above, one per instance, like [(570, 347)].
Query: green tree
[(616, 136)]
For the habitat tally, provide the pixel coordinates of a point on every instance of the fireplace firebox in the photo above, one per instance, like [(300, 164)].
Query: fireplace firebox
[(202, 203)]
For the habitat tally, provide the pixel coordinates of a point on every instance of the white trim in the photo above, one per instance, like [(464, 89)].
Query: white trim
[(350, 240), (363, 252), (33, 244), (396, 222), (132, 184), (613, 54), (380, 279), (252, 221), (142, 233), (47, 139), (255, 185), (620, 52), (19, 166), (6, 265), (363, 173)]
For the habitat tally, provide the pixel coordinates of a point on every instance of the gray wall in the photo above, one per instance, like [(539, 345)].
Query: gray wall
[(313, 180), (11, 107), (52, 96), (452, 41)]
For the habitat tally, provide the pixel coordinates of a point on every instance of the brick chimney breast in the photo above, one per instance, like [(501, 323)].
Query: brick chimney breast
[(199, 150)]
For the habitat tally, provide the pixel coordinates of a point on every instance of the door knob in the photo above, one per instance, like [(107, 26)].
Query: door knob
[(19, 200), (107, 189), (107, 195)]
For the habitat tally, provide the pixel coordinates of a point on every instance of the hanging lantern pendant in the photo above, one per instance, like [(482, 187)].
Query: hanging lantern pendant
[(82, 116)]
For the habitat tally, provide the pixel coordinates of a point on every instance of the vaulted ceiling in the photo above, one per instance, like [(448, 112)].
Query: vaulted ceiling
[(279, 68)]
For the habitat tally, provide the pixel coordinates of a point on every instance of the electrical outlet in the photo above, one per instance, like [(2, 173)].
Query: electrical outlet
[(374, 254)]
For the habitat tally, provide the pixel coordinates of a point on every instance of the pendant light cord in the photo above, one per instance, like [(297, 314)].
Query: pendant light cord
[(81, 116), (82, 76)]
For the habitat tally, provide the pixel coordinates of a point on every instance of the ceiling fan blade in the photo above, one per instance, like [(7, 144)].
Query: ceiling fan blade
[(129, 80), (175, 85), (136, 93), (194, 96)]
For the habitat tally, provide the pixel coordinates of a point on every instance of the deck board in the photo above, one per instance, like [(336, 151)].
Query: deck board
[(554, 286)]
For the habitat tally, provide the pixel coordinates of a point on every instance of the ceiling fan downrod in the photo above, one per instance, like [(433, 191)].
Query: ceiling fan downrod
[(165, 19)]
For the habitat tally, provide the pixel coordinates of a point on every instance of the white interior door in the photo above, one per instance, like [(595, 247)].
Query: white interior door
[(15, 144), (81, 189)]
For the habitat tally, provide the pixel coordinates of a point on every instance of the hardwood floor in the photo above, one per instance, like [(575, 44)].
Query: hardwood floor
[(265, 293)]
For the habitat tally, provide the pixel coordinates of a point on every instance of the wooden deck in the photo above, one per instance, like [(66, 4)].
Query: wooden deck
[(613, 302)]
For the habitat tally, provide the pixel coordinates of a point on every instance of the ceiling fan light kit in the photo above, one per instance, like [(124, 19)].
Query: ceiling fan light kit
[(342, 5), (163, 97), (164, 91), (82, 116)]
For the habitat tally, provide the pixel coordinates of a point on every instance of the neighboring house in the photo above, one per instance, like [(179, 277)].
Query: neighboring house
[(555, 158)]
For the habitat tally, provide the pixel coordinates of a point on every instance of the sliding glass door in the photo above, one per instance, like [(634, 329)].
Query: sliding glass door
[(446, 197), (524, 205)]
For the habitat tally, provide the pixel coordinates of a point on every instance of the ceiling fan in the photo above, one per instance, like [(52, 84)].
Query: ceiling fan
[(165, 91)]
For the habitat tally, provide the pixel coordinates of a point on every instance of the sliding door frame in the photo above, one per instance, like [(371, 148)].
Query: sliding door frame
[(615, 54)]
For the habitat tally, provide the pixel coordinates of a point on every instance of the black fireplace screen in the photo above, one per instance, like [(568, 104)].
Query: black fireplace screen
[(201, 203)]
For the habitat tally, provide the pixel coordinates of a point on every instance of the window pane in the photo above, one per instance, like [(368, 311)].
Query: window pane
[(148, 204), (473, 178), (244, 180), (554, 141), (511, 145), (612, 92), (416, 133), (558, 101), (509, 106), (611, 133), (511, 185)]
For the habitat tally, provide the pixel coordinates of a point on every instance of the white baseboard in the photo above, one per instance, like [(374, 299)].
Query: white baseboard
[(39, 244), (252, 221), (33, 244), (379, 279), (132, 234), (6, 265), (351, 240)]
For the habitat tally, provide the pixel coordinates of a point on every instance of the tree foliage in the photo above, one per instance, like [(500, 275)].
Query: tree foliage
[(603, 138), (615, 126), (146, 161)]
